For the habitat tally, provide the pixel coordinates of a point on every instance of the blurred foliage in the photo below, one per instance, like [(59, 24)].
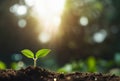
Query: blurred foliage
[(98, 34), (2, 65), (117, 58), (91, 64), (17, 65)]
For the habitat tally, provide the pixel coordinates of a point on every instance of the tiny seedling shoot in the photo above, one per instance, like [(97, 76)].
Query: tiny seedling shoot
[(40, 53)]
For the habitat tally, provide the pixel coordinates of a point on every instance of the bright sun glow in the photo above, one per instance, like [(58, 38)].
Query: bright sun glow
[(49, 13), (44, 37), (49, 7)]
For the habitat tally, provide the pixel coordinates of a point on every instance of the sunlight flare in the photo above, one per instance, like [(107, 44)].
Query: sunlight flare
[(49, 14)]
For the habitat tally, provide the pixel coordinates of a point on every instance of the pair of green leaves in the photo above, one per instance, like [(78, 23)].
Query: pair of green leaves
[(40, 53)]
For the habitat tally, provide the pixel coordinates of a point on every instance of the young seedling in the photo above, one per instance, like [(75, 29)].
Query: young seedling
[(40, 53)]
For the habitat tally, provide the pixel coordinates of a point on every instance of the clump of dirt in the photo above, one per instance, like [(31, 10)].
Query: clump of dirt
[(41, 74)]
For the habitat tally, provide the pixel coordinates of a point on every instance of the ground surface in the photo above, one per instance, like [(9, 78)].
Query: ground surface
[(40, 74)]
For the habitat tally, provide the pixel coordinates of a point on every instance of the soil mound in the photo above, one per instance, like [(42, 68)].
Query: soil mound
[(41, 74)]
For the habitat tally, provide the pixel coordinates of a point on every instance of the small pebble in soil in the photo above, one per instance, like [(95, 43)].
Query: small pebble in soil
[(55, 79), (41, 77), (68, 78), (95, 78), (77, 77)]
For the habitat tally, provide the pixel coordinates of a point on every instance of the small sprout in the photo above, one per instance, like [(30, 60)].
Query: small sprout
[(40, 53)]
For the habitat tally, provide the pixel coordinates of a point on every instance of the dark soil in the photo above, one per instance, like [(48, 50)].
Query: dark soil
[(40, 74)]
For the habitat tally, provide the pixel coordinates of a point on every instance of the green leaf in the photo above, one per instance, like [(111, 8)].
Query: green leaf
[(42, 53), (28, 53)]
